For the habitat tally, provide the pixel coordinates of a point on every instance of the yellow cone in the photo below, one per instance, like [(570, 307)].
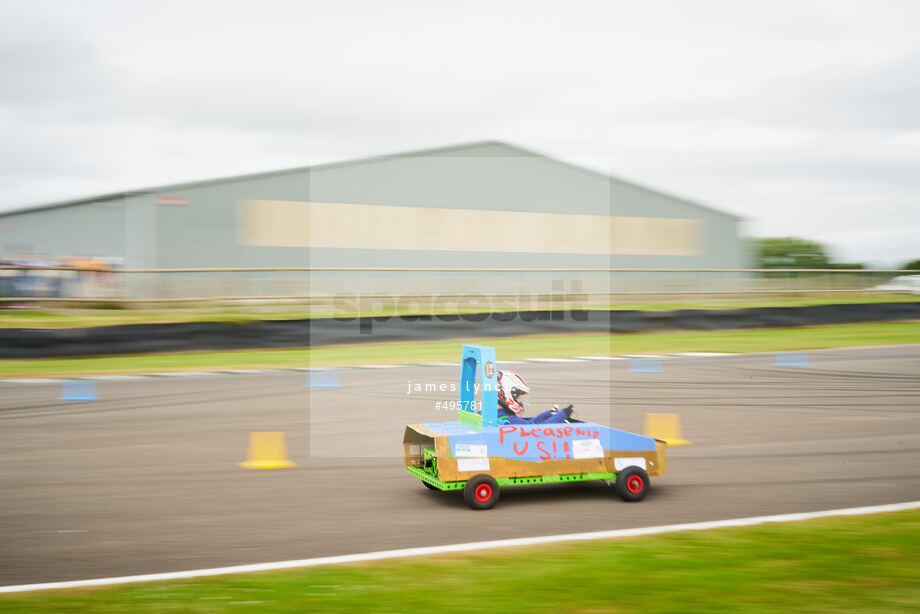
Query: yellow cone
[(665, 427), (267, 451)]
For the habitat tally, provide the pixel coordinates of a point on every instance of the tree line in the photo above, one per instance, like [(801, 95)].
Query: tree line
[(796, 253)]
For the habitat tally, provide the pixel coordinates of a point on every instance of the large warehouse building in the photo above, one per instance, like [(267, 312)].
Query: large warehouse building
[(481, 204), (487, 204)]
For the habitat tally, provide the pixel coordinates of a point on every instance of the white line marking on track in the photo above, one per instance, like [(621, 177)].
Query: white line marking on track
[(499, 362), (185, 373), (246, 371), (468, 547), (554, 360)]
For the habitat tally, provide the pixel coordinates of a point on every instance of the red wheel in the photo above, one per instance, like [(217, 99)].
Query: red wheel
[(481, 492), (632, 484)]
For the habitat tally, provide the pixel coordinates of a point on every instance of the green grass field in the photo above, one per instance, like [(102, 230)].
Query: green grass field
[(855, 565), (507, 348), (75, 318)]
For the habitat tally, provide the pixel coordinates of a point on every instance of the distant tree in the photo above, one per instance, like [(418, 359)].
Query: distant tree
[(847, 265), (913, 265), (789, 253)]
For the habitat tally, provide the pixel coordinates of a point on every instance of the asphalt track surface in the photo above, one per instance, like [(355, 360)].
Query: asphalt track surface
[(146, 480)]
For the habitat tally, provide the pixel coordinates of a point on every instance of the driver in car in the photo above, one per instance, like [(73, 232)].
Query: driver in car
[(512, 401)]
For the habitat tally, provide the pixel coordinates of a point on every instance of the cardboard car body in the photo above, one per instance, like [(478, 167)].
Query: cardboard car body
[(447, 455)]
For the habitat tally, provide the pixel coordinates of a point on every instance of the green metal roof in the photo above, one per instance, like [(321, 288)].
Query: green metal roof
[(512, 149)]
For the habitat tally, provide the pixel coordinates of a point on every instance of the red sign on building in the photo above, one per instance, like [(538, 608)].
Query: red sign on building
[(172, 200)]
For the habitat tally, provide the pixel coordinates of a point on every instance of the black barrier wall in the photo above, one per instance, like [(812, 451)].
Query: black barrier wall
[(205, 336)]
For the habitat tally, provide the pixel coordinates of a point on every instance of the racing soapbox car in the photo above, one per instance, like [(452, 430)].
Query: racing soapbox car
[(480, 454)]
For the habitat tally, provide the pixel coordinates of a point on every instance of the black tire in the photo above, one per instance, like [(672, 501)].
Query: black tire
[(481, 492), (632, 484), (430, 486)]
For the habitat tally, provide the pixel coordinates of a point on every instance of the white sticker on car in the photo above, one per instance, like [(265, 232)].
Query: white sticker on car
[(622, 463), (467, 450), (472, 464), (587, 448)]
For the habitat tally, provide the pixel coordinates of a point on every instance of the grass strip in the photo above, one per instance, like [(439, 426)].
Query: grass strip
[(71, 318), (854, 565), (507, 348)]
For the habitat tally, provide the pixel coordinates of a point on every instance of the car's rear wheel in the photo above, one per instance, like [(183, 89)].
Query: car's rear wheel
[(632, 484), (481, 492)]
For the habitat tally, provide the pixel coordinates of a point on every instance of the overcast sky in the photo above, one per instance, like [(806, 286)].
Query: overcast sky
[(803, 117)]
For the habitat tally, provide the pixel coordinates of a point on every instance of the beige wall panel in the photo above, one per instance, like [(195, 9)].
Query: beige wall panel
[(325, 225)]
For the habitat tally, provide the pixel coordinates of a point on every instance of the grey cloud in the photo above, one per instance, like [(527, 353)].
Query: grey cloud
[(882, 96), (879, 97), (42, 65)]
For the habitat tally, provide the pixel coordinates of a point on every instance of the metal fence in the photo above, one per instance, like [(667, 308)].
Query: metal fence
[(419, 289)]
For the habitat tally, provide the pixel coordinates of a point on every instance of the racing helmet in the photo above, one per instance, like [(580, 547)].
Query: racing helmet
[(512, 392)]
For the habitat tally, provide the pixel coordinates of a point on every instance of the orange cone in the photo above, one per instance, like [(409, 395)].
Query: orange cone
[(267, 451)]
